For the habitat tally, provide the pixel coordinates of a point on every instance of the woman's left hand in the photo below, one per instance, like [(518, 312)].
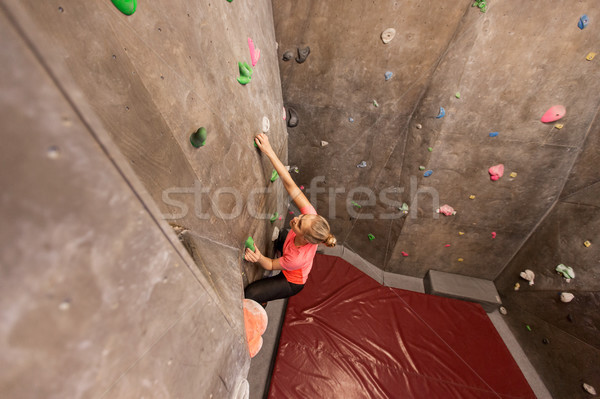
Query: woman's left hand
[(252, 256)]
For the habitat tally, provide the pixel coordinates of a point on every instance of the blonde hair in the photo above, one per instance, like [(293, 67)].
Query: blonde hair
[(320, 232)]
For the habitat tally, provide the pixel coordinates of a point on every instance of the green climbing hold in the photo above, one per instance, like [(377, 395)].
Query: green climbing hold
[(243, 80), (421, 167), (356, 204), (274, 175), (457, 95), (245, 69), (371, 237), (127, 7), (230, 1), (198, 138), (274, 217), (404, 207), (430, 149), (250, 244), (528, 328), (375, 103)]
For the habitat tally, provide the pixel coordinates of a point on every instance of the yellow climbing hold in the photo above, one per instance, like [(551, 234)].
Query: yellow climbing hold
[(461, 233), (559, 126), (513, 174), (471, 197), (590, 56), (460, 259), (587, 244)]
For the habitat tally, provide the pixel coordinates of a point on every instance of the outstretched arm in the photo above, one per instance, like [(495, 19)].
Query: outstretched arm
[(262, 141)]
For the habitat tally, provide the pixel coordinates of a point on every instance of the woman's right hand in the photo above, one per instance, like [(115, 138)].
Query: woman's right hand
[(262, 141)]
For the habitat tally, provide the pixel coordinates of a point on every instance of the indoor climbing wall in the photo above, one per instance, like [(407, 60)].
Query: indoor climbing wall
[(420, 137), (133, 182)]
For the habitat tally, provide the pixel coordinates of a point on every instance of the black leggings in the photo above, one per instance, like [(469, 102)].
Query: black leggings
[(271, 288)]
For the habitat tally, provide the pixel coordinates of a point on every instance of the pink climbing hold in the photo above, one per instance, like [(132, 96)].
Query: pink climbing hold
[(254, 52), (554, 113), (404, 253), (301, 187), (446, 210), (291, 212), (493, 234), (447, 245), (496, 172), (280, 217), (284, 114)]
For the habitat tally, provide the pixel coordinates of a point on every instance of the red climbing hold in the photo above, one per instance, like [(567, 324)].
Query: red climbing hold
[(496, 172), (404, 253), (554, 113)]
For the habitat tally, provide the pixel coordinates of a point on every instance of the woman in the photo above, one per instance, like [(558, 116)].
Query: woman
[(298, 246)]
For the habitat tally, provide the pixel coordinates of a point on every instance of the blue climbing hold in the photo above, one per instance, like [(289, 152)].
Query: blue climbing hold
[(388, 75), (442, 113), (493, 134), (351, 119), (583, 21), (428, 173)]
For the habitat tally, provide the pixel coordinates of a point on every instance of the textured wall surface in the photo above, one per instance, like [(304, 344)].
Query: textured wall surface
[(509, 65), (99, 297)]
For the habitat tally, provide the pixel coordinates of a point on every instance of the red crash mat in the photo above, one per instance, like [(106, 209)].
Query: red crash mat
[(346, 336)]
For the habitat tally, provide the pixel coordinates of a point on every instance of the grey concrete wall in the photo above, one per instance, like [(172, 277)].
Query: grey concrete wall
[(99, 297), (509, 65)]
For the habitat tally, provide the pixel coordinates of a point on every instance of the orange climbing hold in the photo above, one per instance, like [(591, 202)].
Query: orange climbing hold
[(255, 319)]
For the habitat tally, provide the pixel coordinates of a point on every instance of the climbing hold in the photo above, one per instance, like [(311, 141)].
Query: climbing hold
[(254, 52), (421, 167), (493, 234), (503, 310), (430, 149), (493, 134), (457, 94), (447, 245), (559, 126), (375, 103), (243, 80), (351, 120), (275, 234), (513, 174), (442, 113), (274, 175), (230, 1), (265, 124), (356, 204), (245, 69), (198, 138), (280, 218), (566, 271), (284, 113), (291, 212), (566, 297), (404, 207), (255, 322), (428, 173), (127, 7), (324, 143), (583, 21), (528, 275), (545, 341), (461, 233), (404, 253), (589, 389), (517, 286), (302, 54), (363, 164), (371, 237), (301, 187), (446, 210), (274, 217), (418, 126), (292, 117), (590, 56), (587, 243), (528, 328), (388, 75), (554, 113), (471, 197), (496, 172), (288, 55), (387, 35), (250, 244), (460, 259)]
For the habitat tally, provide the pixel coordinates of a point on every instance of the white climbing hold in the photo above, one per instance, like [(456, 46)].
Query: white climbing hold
[(419, 126), (265, 124), (566, 297), (503, 310), (324, 143), (363, 164), (528, 275), (275, 233), (387, 35), (589, 389)]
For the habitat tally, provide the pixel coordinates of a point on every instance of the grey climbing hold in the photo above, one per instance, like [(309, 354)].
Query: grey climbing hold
[(388, 75), (387, 35), (292, 119), (363, 164), (288, 55), (302, 54)]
